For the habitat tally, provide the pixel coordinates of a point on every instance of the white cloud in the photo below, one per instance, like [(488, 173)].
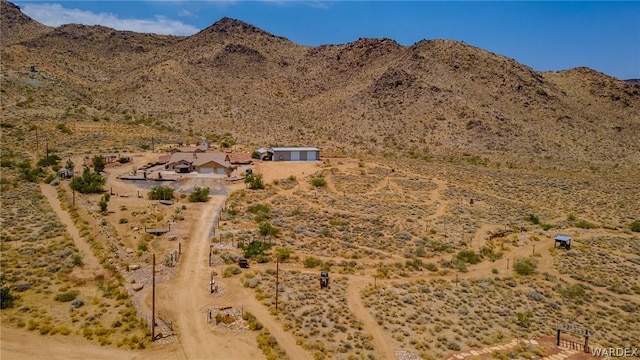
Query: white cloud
[(56, 15), (185, 13)]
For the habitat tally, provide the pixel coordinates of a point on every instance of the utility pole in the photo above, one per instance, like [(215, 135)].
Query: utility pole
[(153, 299), (37, 147), (277, 271)]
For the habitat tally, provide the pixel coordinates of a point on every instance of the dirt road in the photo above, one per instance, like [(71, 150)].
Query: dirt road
[(383, 347), (187, 300), (89, 260)]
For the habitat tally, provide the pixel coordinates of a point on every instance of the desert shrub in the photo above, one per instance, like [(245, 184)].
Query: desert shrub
[(524, 266), (439, 246), (524, 318), (98, 163), (255, 182), (635, 226), (199, 195), (123, 220), (546, 227), (6, 298), (27, 173), (318, 182), (262, 212), (161, 193), (230, 271), (468, 257), (267, 229), (311, 262), (255, 248), (534, 219), (142, 246), (251, 282), (584, 224), (76, 260), (431, 267), (67, 296), (103, 204), (49, 160), (251, 319), (574, 292), (88, 183), (283, 254), (257, 208)]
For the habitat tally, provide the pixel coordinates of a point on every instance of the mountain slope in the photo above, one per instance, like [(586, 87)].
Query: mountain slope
[(373, 95)]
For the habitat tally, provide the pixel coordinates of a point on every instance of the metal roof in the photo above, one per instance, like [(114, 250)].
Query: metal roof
[(294, 149), (563, 238)]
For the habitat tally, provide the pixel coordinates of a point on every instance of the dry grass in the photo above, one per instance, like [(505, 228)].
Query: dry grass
[(319, 319), (39, 263)]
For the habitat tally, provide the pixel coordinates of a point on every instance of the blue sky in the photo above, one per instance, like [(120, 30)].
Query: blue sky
[(546, 36)]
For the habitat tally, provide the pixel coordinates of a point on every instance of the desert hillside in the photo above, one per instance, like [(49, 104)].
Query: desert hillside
[(465, 206), (371, 95)]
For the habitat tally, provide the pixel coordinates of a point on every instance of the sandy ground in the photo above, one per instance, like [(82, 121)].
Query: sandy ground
[(186, 298)]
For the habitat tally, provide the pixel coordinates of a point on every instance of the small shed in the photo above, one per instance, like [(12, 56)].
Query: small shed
[(563, 240), (294, 154)]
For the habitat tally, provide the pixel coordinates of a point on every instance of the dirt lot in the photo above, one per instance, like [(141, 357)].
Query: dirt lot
[(390, 236)]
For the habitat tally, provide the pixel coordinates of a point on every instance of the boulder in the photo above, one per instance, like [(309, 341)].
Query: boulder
[(137, 286)]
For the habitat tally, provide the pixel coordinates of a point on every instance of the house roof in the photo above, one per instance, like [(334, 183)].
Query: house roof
[(163, 159), (563, 238), (293, 149), (240, 158), (191, 149), (198, 159)]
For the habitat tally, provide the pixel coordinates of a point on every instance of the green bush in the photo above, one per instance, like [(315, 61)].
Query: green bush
[(267, 229), (199, 195), (98, 164), (49, 160), (468, 257), (283, 254), (255, 248), (635, 226), (6, 298), (255, 182), (525, 266), (583, 224), (88, 183), (311, 262), (533, 218), (318, 182), (262, 212), (27, 173), (161, 193), (103, 205), (230, 271), (258, 208), (67, 296)]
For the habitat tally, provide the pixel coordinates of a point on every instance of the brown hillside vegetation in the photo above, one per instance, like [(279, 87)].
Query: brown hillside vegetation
[(446, 171), (436, 95)]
